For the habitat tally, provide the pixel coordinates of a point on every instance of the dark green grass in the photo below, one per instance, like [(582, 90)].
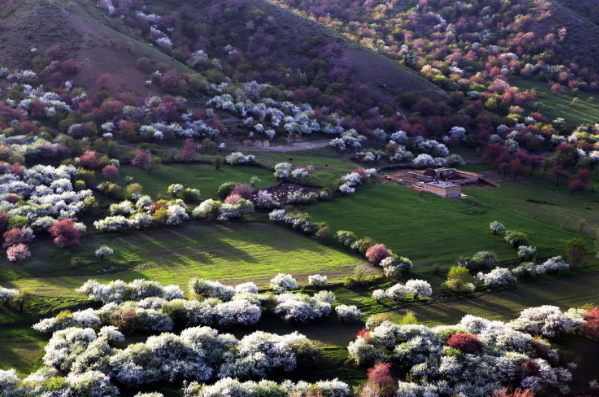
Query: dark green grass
[(199, 176), (564, 207), (430, 229)]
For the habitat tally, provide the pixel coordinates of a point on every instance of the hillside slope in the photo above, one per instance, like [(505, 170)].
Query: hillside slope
[(368, 67), (581, 20), (96, 48), (86, 34)]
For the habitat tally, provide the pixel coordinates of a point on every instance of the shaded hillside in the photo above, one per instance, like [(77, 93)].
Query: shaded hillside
[(368, 67), (96, 48), (581, 43)]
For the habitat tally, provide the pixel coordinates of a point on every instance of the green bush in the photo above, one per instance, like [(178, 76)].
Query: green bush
[(516, 239), (350, 282), (17, 221), (79, 185)]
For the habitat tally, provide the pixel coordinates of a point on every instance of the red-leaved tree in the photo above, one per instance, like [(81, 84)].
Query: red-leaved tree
[(381, 375), (189, 151), (531, 368), (558, 173), (535, 163), (89, 160), (12, 237), (244, 190), (591, 323), (110, 171), (377, 253), (104, 81), (516, 168), (17, 169), (143, 159), (466, 343), (65, 233), (577, 186), (364, 334)]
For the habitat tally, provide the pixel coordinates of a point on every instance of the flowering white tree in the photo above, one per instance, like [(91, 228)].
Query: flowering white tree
[(527, 253), (397, 292), (283, 282), (419, 288), (424, 161), (236, 158), (277, 215), (486, 259), (379, 295), (547, 321), (124, 208), (348, 313), (498, 278), (103, 251), (248, 287), (7, 294), (554, 265), (302, 307), (496, 227), (112, 224), (282, 170), (141, 220), (346, 189), (318, 280), (174, 189), (176, 214)]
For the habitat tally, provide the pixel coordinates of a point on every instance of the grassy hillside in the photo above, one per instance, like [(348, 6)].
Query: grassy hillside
[(574, 112)]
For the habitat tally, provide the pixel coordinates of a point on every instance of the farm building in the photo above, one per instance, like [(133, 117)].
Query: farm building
[(440, 188)]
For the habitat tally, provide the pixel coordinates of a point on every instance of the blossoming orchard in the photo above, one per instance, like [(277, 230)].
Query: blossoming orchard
[(293, 198)]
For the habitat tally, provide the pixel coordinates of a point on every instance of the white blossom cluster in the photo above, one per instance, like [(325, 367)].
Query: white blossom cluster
[(47, 195), (125, 215), (317, 280), (302, 307), (197, 354), (226, 211), (119, 291), (285, 115), (266, 200), (282, 170), (283, 282), (497, 278), (416, 288), (233, 387), (298, 221), (350, 139), (348, 313), (7, 294), (438, 369), (236, 158), (354, 179)]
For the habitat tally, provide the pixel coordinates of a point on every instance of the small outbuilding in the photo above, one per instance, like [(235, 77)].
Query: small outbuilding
[(440, 188)]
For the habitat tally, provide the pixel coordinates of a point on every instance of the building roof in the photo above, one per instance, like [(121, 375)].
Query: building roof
[(441, 184)]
